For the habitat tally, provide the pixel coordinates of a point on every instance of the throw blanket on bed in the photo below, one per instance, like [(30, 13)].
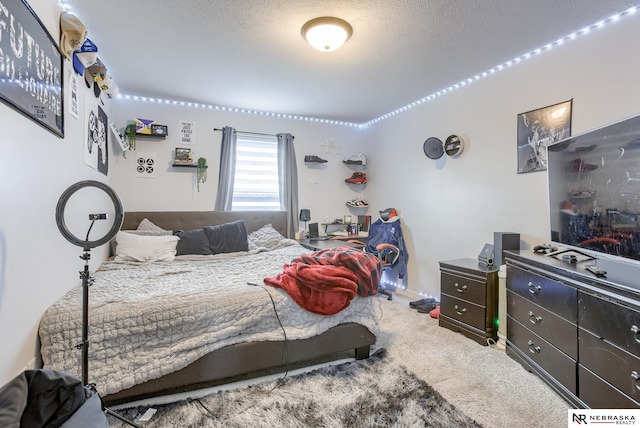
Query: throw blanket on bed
[(324, 282), (151, 319)]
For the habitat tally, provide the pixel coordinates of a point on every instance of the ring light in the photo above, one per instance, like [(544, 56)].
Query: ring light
[(117, 221)]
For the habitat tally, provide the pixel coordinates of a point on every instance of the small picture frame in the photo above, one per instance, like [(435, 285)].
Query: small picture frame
[(183, 156), (346, 219), (159, 129)]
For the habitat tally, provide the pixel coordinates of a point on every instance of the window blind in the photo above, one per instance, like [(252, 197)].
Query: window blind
[(256, 183)]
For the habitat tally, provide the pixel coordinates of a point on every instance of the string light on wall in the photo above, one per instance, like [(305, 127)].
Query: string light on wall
[(463, 83)]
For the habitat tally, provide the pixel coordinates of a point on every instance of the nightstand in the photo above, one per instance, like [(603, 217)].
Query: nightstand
[(469, 299)]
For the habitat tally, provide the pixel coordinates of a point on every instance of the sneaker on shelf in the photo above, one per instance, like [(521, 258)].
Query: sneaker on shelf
[(357, 178), (357, 159), (578, 165), (357, 203), (314, 159)]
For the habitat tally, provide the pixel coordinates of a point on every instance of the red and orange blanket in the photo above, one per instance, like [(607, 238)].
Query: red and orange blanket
[(325, 282)]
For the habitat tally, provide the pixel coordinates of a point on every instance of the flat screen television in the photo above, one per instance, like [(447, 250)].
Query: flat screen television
[(594, 190)]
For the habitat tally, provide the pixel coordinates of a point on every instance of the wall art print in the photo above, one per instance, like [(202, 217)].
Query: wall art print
[(539, 128), (96, 149), (32, 67)]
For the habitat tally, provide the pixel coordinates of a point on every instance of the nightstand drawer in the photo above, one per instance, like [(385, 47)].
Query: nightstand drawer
[(555, 330), (461, 310), (558, 298), (615, 323), (464, 288), (555, 362), (616, 366)]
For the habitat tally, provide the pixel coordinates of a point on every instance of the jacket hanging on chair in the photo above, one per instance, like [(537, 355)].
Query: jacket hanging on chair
[(389, 232)]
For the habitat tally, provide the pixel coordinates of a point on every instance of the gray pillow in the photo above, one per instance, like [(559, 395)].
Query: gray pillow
[(228, 237), (192, 242)]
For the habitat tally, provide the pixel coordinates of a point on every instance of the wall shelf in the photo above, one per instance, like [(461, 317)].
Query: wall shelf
[(179, 165), (151, 136)]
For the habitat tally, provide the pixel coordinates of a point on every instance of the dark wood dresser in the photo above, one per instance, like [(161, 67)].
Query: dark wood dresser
[(577, 331), (469, 299)]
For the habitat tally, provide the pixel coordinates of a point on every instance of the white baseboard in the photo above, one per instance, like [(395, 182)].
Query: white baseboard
[(30, 365)]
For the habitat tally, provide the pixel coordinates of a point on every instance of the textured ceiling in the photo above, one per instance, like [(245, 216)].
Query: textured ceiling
[(250, 54)]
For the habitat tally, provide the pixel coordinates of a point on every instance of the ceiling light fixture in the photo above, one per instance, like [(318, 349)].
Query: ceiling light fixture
[(326, 33)]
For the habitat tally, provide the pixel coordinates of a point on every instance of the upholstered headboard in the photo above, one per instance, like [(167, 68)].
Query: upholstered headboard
[(186, 220)]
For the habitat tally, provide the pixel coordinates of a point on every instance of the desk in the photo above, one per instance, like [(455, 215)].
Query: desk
[(323, 244)]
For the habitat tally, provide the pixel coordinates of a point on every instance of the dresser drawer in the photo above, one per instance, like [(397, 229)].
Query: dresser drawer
[(461, 310), (555, 362), (555, 330), (611, 363), (556, 297), (615, 323), (597, 393), (464, 288)]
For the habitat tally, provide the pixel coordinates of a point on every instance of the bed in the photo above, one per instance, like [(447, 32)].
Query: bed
[(199, 320)]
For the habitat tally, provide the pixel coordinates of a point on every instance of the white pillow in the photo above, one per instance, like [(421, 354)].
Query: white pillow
[(145, 248), (146, 224), (266, 237)]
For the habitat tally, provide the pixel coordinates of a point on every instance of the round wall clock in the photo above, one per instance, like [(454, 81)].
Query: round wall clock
[(433, 148)]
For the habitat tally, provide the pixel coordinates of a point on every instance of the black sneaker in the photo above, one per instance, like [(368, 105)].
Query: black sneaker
[(314, 159), (427, 307), (421, 302)]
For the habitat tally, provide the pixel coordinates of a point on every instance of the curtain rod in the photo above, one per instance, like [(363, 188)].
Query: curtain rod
[(243, 132)]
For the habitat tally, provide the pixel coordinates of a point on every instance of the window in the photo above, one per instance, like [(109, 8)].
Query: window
[(256, 183)]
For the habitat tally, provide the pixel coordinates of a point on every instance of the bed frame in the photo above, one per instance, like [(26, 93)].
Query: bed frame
[(244, 360)]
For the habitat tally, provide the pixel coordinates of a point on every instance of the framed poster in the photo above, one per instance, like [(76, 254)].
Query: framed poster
[(32, 61), (539, 128)]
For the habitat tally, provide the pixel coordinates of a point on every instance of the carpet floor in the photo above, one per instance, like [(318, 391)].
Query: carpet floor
[(481, 382), (369, 393)]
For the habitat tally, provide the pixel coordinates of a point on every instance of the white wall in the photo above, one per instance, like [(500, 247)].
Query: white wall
[(452, 206), (321, 186), (37, 265)]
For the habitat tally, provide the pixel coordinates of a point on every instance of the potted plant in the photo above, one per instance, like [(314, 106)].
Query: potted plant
[(201, 175), (130, 135)]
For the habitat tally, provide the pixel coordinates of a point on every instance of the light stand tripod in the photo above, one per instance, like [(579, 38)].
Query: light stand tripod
[(87, 279)]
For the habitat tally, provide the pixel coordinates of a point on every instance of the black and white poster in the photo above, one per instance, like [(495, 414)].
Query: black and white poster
[(96, 149), (145, 165), (31, 66), (539, 128)]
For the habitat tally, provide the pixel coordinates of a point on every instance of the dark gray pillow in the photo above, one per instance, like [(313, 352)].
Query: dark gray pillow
[(228, 237), (192, 242)]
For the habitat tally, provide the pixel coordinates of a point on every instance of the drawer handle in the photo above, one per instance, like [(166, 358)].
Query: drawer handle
[(460, 289), (460, 311), (532, 348), (636, 331), (534, 319), (636, 376), (534, 289)]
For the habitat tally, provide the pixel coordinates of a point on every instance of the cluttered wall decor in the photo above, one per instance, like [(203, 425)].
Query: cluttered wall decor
[(32, 65), (539, 128)]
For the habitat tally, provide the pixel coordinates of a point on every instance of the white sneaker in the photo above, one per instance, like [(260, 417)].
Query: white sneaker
[(357, 159)]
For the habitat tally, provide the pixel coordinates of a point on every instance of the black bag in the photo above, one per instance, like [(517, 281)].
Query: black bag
[(46, 399)]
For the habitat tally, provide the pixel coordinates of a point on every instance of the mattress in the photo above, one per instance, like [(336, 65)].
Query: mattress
[(150, 319)]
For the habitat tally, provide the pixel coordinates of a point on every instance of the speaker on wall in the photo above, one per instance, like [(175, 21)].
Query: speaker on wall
[(504, 241)]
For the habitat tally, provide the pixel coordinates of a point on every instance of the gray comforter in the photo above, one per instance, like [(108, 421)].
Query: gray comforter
[(150, 319)]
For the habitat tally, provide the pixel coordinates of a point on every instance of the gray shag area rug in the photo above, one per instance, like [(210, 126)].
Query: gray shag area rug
[(375, 392)]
